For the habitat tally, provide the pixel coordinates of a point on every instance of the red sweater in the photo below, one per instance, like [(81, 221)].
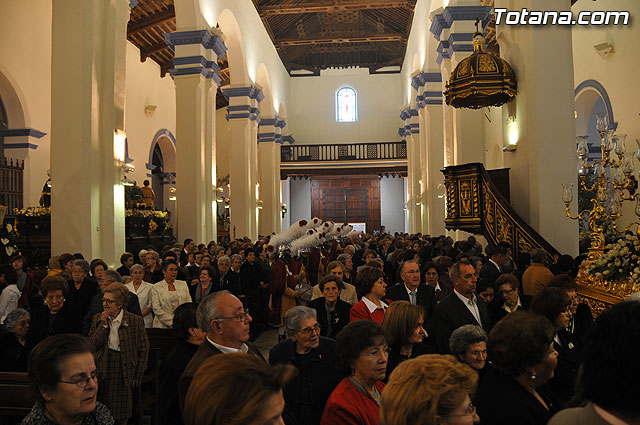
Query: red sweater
[(348, 406), (360, 311)]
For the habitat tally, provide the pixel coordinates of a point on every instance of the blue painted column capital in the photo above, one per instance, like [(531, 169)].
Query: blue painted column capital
[(206, 48), (452, 39), (243, 101)]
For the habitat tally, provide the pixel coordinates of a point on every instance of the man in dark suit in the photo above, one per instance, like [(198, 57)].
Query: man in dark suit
[(462, 307), (227, 279), (226, 323), (411, 290), (492, 268), (184, 254)]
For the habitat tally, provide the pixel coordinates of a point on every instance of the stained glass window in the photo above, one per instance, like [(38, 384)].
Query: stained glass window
[(346, 105)]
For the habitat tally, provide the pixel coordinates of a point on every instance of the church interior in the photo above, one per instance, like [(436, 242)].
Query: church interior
[(130, 123)]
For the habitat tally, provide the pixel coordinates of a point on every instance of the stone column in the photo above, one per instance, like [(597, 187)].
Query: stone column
[(429, 103), (543, 114), (243, 114), (88, 91), (269, 141), (195, 74), (411, 132), (453, 27)]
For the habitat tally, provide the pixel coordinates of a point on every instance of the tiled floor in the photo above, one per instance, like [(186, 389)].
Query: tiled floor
[(266, 341)]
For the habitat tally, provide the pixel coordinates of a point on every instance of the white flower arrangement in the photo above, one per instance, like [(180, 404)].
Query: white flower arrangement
[(619, 261)]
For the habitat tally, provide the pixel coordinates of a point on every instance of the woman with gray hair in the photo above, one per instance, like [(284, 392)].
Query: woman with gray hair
[(81, 290), (13, 356), (468, 344), (315, 357)]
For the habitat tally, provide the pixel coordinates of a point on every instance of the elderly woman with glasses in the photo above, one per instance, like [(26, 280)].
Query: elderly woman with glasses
[(362, 358), (13, 355), (314, 356), (468, 344), (81, 290), (53, 317), (430, 390), (63, 377), (555, 305), (508, 292), (122, 348)]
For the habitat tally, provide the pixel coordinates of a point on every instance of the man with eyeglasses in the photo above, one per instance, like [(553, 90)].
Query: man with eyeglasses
[(226, 322), (411, 290)]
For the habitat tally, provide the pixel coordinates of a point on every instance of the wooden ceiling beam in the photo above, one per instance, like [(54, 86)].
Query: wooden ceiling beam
[(364, 38), (151, 20), (149, 50), (334, 6)]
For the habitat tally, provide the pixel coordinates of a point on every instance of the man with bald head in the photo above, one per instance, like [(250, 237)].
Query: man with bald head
[(226, 322)]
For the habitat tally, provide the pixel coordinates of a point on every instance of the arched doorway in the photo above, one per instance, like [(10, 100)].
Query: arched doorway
[(162, 167)]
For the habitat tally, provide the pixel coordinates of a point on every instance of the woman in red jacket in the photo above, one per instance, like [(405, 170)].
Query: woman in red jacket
[(362, 352), (372, 288)]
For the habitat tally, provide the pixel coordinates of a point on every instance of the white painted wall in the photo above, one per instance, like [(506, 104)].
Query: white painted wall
[(617, 73), (25, 71), (300, 200), (392, 214), (312, 116)]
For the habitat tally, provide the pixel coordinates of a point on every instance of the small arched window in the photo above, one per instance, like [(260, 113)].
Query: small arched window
[(346, 105)]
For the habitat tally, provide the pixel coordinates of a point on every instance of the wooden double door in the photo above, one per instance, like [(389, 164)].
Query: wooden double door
[(347, 199)]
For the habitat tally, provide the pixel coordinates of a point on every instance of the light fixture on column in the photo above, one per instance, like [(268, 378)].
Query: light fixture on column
[(119, 149), (283, 209), (149, 110), (512, 135), (172, 190)]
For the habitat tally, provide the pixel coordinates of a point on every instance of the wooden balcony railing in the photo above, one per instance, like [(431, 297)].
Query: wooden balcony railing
[(344, 152), (11, 187)]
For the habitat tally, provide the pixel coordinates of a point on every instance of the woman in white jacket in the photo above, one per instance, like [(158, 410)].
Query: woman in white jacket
[(167, 295)]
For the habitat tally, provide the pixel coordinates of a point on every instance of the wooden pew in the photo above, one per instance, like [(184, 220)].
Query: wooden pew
[(16, 396)]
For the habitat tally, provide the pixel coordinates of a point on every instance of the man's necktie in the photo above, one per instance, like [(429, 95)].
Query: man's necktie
[(413, 297)]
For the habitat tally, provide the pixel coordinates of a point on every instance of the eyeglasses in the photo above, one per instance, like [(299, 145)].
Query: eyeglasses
[(507, 291), (471, 410), (375, 352), (476, 353), (240, 316), (83, 381), (108, 300), (308, 331), (54, 297)]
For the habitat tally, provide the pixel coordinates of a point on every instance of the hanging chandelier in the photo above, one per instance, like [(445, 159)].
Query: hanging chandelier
[(480, 80)]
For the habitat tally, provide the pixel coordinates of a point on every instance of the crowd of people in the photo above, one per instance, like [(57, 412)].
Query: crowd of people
[(403, 329)]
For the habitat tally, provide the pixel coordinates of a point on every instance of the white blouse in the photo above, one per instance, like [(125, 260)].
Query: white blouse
[(144, 297), (163, 302)]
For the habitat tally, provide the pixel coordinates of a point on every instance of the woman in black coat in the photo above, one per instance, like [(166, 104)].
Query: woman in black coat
[(521, 349), (314, 356), (554, 304), (13, 355), (52, 318)]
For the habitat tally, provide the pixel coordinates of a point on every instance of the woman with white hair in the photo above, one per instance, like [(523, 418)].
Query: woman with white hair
[(13, 356), (315, 357)]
